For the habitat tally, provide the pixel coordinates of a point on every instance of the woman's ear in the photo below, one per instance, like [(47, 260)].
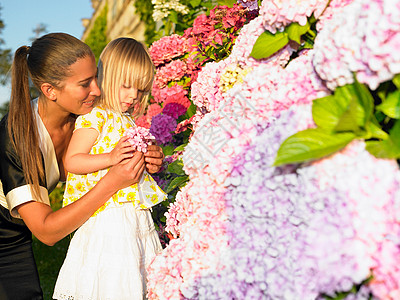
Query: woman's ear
[(49, 91)]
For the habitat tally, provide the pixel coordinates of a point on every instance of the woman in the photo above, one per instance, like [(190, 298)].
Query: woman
[(33, 140)]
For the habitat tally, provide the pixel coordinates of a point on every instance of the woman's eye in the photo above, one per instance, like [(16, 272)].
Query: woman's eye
[(86, 84), (125, 86)]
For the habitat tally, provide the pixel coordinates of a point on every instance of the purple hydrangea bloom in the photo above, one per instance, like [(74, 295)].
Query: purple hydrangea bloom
[(163, 127)]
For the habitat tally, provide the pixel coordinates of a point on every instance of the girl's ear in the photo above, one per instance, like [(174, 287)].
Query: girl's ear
[(49, 91)]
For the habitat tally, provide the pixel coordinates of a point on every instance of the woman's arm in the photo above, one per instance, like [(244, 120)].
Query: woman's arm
[(79, 161), (50, 227)]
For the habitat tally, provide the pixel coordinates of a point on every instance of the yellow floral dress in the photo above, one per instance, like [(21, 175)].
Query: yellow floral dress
[(109, 253), (111, 127)]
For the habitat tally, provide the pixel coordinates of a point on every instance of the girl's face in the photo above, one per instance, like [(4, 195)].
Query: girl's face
[(80, 89), (127, 97)]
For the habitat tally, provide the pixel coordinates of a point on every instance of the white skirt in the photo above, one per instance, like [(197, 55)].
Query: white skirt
[(108, 256)]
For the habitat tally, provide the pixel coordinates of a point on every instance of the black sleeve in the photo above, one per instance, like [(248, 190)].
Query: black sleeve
[(11, 172)]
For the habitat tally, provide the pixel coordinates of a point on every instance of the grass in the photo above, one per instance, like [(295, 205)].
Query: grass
[(49, 259)]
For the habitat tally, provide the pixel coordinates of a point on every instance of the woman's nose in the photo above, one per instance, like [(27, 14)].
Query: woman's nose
[(95, 88)]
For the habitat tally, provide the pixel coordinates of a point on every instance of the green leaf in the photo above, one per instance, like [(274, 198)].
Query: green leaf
[(168, 150), (191, 111), (228, 3), (268, 43), (180, 147), (173, 16), (349, 109), (396, 81), (375, 131), (391, 105), (176, 167), (394, 133), (383, 149), (176, 182), (307, 44), (311, 144), (295, 31), (365, 99), (195, 3), (352, 119), (388, 148), (327, 111)]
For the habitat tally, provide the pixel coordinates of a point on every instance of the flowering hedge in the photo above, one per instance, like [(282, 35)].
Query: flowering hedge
[(283, 192)]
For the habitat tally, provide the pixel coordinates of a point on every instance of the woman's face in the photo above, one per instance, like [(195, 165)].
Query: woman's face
[(79, 90)]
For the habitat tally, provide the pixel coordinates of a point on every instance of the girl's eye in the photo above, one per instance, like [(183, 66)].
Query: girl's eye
[(125, 86), (86, 84)]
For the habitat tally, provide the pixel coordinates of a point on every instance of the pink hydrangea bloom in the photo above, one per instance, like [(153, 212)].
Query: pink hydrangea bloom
[(172, 71), (277, 14), (206, 91), (153, 110), (140, 138), (180, 211), (335, 6), (168, 48), (244, 44), (362, 39), (142, 121), (263, 94)]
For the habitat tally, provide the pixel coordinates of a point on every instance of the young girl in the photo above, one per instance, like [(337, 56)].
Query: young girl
[(108, 255)]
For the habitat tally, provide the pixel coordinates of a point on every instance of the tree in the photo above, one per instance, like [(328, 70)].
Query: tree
[(5, 56), (39, 30)]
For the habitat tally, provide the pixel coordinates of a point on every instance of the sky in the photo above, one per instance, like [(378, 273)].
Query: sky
[(21, 17)]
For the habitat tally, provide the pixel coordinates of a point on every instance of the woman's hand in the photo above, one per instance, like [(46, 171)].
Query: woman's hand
[(127, 172), (153, 158)]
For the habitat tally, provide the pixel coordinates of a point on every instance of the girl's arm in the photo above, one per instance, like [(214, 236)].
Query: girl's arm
[(50, 227), (79, 161)]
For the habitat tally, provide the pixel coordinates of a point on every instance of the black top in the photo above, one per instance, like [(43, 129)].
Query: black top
[(19, 278)]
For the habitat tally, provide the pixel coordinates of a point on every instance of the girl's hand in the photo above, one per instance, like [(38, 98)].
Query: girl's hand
[(153, 158), (121, 151)]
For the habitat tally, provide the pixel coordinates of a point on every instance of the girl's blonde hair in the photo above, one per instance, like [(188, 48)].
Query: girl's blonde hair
[(48, 60), (125, 61)]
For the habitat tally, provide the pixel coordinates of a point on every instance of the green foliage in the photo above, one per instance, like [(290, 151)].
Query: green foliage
[(352, 112), (267, 43), (4, 109), (49, 259), (311, 144), (144, 9), (177, 22), (5, 56), (353, 291), (228, 3), (97, 37)]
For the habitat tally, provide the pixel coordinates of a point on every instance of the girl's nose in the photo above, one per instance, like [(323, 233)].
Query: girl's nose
[(133, 93)]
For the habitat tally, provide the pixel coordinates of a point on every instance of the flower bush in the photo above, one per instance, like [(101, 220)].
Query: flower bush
[(281, 191)]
